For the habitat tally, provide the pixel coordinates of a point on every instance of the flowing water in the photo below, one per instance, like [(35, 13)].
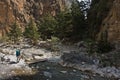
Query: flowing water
[(54, 71)]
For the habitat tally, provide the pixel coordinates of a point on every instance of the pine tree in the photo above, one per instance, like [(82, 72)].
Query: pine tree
[(78, 20), (47, 26), (64, 27), (31, 32), (15, 33)]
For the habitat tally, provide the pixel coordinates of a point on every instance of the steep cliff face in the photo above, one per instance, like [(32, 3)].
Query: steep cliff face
[(111, 24), (21, 10)]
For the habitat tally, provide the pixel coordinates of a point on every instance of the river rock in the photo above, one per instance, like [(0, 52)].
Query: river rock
[(85, 76), (63, 72), (74, 70), (47, 74), (75, 57), (48, 68)]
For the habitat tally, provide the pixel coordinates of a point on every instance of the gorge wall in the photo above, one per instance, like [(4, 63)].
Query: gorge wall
[(22, 10), (111, 24)]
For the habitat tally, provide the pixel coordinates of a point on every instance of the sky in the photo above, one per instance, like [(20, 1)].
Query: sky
[(83, 0), (79, 0)]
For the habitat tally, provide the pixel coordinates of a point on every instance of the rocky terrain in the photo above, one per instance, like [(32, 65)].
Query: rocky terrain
[(67, 56), (81, 60), (9, 65)]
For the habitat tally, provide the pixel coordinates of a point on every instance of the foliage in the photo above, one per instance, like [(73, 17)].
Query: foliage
[(78, 20), (15, 32), (71, 23), (92, 47), (54, 39), (64, 26), (111, 58), (31, 32), (4, 39), (54, 43), (104, 47), (47, 26)]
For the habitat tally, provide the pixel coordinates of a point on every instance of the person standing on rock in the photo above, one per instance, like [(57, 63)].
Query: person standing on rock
[(2, 59), (18, 55)]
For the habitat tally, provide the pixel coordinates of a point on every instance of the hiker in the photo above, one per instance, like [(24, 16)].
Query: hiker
[(2, 59), (18, 55)]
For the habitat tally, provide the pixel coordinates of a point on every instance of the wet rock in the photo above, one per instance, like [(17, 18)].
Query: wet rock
[(48, 68), (37, 67), (74, 70), (17, 78), (47, 74), (63, 72), (37, 57), (85, 76), (75, 57)]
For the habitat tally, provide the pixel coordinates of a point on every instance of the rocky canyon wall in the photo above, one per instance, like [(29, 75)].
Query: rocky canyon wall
[(111, 24), (22, 10)]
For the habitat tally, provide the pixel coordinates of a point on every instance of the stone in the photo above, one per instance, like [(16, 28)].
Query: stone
[(85, 76), (37, 57), (74, 70), (63, 72), (76, 57), (48, 68), (47, 74)]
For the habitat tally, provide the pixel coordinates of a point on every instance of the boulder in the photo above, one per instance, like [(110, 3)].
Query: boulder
[(75, 57)]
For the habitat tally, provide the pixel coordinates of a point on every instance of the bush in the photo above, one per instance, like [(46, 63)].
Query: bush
[(31, 32), (15, 33), (104, 47)]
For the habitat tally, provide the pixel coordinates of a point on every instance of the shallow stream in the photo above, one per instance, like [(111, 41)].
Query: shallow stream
[(54, 71)]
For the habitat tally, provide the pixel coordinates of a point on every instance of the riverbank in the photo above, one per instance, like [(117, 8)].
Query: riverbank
[(82, 61), (44, 52)]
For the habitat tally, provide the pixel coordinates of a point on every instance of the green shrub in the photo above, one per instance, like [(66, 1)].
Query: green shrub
[(104, 47), (31, 32), (15, 33)]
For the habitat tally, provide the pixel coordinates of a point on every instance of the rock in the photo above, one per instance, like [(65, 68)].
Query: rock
[(37, 67), (83, 63), (25, 46), (63, 72), (74, 70), (37, 57), (2, 59), (85, 76), (47, 74), (17, 78), (75, 57), (96, 61), (48, 68)]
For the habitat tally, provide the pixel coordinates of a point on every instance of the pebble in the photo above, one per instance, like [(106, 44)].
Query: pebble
[(48, 68), (63, 72), (47, 74), (74, 70)]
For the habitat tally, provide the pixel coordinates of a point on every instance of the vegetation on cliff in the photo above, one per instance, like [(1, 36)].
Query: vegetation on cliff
[(72, 23), (15, 32)]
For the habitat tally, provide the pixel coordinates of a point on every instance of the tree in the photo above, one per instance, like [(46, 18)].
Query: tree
[(15, 32), (31, 32), (64, 27), (47, 26), (72, 23), (78, 20)]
